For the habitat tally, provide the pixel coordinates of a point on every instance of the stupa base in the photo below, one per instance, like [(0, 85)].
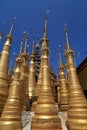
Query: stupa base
[(77, 124), (46, 124), (9, 125)]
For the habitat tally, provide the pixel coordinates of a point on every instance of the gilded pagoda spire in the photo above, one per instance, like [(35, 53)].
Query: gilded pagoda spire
[(77, 112), (67, 41), (63, 86), (4, 69), (45, 27), (45, 33), (26, 44), (31, 79), (19, 59), (22, 61), (38, 85), (11, 115), (24, 75), (46, 115)]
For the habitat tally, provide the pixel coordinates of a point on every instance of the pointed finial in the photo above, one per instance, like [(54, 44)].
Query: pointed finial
[(66, 33), (10, 33), (26, 44), (46, 20), (59, 55), (21, 43)]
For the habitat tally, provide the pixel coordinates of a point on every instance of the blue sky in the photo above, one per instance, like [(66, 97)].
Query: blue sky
[(30, 17)]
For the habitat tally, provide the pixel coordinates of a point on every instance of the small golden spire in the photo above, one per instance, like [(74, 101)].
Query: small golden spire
[(26, 44), (66, 33), (10, 33), (63, 106), (45, 26), (45, 32), (32, 56), (21, 43), (31, 79)]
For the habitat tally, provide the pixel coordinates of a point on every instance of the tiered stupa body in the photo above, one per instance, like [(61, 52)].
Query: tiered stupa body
[(77, 113), (4, 70), (63, 87), (46, 114), (11, 115)]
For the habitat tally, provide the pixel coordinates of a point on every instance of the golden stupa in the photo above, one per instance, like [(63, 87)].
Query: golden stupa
[(23, 58), (63, 106), (31, 79), (77, 112), (33, 96), (46, 114), (4, 69), (11, 115)]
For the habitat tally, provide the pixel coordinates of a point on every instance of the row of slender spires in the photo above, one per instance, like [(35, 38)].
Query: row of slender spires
[(13, 99)]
